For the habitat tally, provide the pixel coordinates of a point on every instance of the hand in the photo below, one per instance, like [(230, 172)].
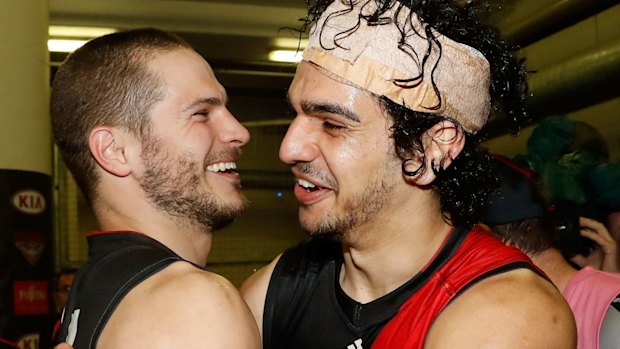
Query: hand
[(605, 256), (63, 346)]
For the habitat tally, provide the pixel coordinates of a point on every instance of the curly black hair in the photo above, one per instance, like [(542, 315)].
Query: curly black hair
[(463, 186)]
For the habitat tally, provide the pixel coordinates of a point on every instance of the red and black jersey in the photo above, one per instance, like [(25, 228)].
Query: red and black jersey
[(305, 307)]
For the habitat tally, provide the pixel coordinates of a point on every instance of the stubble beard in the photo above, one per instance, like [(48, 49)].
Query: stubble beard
[(173, 184), (358, 209)]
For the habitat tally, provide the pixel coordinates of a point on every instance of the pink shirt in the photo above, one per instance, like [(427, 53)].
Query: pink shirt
[(589, 293)]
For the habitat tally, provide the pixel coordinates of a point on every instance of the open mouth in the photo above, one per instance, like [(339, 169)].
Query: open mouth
[(309, 187), (308, 193), (223, 167)]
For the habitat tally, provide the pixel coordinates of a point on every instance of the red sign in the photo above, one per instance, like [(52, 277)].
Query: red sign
[(30, 297)]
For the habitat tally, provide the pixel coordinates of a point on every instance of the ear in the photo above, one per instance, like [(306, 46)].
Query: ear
[(106, 143), (442, 143)]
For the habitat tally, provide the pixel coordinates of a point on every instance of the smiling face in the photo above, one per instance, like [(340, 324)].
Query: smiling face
[(190, 152), (341, 152)]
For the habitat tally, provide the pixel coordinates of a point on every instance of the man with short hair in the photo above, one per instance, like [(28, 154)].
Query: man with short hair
[(141, 121), (390, 179)]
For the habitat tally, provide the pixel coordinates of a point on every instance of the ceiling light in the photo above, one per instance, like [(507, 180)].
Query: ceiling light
[(64, 45), (70, 38), (62, 31), (290, 43), (292, 56)]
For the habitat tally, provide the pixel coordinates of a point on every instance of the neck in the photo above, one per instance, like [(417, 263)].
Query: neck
[(389, 250), (190, 241), (555, 266)]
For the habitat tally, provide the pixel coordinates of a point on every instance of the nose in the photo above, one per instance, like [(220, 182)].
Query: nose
[(299, 143), (232, 132)]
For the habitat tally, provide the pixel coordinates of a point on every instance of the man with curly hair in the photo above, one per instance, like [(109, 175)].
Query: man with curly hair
[(390, 179)]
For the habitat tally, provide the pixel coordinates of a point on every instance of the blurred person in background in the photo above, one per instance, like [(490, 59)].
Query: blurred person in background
[(572, 159), (550, 236), (61, 286)]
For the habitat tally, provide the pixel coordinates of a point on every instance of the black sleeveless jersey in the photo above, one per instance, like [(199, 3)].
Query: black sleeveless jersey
[(305, 307), (305, 304), (118, 261)]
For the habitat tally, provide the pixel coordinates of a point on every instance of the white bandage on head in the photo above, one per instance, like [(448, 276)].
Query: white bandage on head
[(370, 58)]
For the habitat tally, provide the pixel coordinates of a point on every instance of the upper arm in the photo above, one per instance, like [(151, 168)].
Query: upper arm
[(254, 291), (182, 307), (508, 311)]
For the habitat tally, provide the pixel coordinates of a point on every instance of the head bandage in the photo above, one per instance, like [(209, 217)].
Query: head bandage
[(370, 57)]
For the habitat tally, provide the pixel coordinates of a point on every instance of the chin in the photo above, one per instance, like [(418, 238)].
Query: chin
[(239, 205), (233, 200), (223, 217), (323, 229), (222, 223)]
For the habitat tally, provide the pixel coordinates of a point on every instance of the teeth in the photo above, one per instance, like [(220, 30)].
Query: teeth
[(304, 183), (222, 166)]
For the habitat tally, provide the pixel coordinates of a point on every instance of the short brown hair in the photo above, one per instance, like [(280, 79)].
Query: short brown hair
[(106, 82), (530, 235)]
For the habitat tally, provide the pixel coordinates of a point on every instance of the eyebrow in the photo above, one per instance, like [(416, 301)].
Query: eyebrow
[(200, 101), (331, 108)]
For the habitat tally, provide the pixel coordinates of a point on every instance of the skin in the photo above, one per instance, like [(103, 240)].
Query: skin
[(181, 306), (605, 255), (353, 136), (344, 160), (613, 223)]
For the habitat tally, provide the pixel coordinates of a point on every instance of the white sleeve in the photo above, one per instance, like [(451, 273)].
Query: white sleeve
[(609, 337)]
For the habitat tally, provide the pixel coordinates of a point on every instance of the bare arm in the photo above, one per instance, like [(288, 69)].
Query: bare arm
[(516, 310), (182, 307), (254, 291)]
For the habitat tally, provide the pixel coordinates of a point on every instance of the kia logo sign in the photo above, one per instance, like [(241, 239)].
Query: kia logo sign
[(29, 201)]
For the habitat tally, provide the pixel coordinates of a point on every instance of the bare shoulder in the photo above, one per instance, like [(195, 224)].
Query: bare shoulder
[(254, 291), (181, 307), (517, 309)]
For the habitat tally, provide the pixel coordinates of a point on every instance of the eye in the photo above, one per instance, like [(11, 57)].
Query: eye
[(201, 114), (332, 126)]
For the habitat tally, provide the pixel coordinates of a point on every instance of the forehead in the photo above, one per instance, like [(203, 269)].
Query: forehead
[(311, 84), (186, 75)]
